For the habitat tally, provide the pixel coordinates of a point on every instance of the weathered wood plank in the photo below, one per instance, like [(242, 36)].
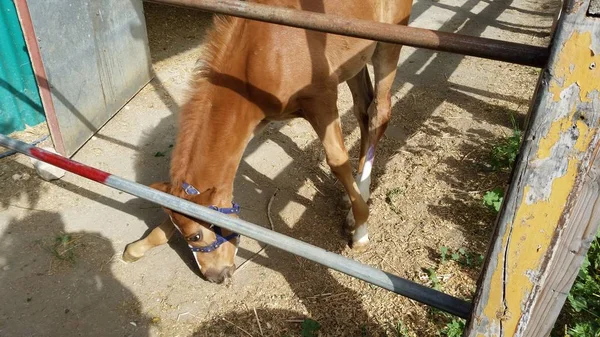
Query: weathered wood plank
[(552, 208)]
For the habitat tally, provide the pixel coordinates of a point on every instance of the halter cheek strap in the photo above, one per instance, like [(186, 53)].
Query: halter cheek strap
[(220, 239)]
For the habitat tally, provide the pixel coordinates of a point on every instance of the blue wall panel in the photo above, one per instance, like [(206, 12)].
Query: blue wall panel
[(20, 102)]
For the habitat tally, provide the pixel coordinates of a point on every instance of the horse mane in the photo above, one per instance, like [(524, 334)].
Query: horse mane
[(191, 115), (216, 41)]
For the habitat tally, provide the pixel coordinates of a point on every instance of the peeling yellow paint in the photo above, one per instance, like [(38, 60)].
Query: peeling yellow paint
[(536, 223), (551, 139), (495, 302), (577, 64), (558, 128), (585, 136)]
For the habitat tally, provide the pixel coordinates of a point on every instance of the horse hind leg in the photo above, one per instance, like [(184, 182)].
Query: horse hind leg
[(158, 236), (385, 63), (362, 96)]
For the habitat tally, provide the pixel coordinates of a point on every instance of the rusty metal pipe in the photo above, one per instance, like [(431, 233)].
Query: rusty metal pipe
[(409, 36)]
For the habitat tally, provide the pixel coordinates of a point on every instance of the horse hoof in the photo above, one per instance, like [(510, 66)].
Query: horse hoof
[(127, 257), (359, 247)]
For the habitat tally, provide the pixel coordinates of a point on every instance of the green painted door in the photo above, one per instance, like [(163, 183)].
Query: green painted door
[(20, 103)]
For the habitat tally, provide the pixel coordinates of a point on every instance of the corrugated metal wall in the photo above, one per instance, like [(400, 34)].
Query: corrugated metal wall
[(20, 103), (96, 58)]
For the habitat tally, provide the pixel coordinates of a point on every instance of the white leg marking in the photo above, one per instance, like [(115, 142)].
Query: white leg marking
[(364, 182), (361, 235), (364, 186)]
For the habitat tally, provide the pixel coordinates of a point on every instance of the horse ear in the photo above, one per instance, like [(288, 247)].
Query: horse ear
[(204, 197), (162, 186)]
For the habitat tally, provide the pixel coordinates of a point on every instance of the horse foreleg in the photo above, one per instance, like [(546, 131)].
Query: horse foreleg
[(158, 236), (325, 120)]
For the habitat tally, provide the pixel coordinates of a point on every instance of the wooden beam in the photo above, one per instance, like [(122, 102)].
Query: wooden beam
[(552, 208)]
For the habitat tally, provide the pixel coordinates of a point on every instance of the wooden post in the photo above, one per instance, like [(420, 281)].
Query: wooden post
[(552, 208)]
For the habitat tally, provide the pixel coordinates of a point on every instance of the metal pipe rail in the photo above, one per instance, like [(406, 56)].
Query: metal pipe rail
[(334, 261), (415, 37)]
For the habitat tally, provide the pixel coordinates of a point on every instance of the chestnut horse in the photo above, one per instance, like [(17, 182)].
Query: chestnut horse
[(253, 72)]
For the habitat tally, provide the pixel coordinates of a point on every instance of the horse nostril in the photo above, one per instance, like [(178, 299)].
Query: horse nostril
[(218, 277), (213, 275)]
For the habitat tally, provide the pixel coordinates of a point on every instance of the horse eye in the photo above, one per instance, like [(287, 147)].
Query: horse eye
[(196, 237)]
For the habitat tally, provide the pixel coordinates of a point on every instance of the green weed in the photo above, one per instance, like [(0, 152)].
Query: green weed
[(401, 330), (310, 327), (493, 199), (391, 196), (454, 328), (444, 251), (505, 152), (462, 257), (435, 281), (363, 331), (63, 248)]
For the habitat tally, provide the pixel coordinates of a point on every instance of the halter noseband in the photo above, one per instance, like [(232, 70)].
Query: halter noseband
[(191, 190)]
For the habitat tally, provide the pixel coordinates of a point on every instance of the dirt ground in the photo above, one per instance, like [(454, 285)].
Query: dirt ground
[(60, 242)]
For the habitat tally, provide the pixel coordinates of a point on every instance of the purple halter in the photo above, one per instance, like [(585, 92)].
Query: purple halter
[(191, 190)]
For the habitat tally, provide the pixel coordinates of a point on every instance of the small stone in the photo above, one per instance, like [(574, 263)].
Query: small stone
[(133, 323), (5, 268), (155, 320), (25, 176), (16, 177)]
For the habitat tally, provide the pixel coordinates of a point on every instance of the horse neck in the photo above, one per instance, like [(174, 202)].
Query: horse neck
[(215, 126)]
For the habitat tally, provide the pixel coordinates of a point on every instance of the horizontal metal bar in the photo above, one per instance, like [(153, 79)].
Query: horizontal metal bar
[(334, 261), (415, 37)]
